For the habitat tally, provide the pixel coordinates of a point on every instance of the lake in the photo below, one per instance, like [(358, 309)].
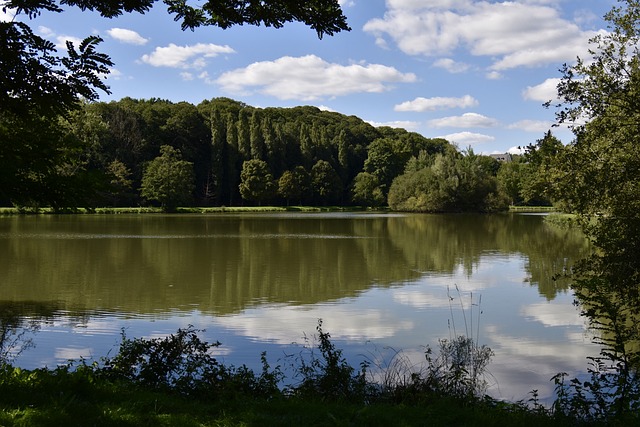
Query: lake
[(381, 283)]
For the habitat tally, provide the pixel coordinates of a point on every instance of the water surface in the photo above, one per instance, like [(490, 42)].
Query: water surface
[(380, 282)]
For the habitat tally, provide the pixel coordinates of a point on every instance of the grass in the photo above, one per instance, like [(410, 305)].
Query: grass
[(562, 220), (192, 210), (53, 398), (532, 209), (232, 209), (142, 386)]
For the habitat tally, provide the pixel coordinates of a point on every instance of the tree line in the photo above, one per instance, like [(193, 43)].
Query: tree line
[(222, 152)]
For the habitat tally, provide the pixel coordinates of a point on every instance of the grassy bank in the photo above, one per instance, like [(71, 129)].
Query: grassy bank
[(175, 381), (193, 210), (59, 398), (233, 209), (532, 209)]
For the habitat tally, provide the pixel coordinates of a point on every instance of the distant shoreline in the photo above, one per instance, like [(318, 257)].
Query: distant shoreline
[(225, 209)]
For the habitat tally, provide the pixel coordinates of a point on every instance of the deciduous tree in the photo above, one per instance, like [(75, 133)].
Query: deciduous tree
[(168, 179), (294, 184), (599, 178), (325, 182), (256, 182)]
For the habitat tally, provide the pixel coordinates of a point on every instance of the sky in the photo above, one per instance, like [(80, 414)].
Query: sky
[(473, 72)]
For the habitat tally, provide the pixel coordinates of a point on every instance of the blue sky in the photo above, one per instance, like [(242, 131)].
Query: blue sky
[(474, 72)]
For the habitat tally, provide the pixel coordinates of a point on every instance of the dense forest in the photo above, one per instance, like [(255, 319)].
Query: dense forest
[(225, 153)]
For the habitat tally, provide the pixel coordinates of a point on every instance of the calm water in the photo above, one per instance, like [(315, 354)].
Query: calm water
[(380, 282)]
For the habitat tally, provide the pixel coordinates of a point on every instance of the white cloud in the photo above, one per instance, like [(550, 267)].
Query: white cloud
[(61, 42), (512, 34), (310, 78), (553, 314), (325, 108), (8, 15), (281, 324), (451, 66), (402, 124), (532, 125), (45, 31), (73, 353), (545, 91), (114, 74), (184, 56), (421, 104), (127, 36), (466, 138), (420, 299), (467, 120)]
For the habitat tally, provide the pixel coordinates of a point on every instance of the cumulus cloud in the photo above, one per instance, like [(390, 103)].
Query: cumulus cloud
[(467, 120), (310, 78), (421, 104), (127, 36), (468, 138), (532, 125), (512, 34), (61, 41), (114, 74), (451, 66), (281, 324), (326, 108), (553, 314), (193, 56), (402, 124), (7, 15), (45, 31), (545, 91), (516, 150)]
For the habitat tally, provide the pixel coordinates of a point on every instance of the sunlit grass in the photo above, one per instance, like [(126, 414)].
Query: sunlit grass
[(532, 209), (192, 209)]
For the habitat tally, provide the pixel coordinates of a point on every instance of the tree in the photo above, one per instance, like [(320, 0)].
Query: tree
[(120, 182), (37, 85), (168, 179), (366, 190), (600, 171), (37, 91), (510, 180), (453, 183), (256, 182), (538, 170), (294, 184), (599, 179), (326, 183), (385, 160), (256, 137)]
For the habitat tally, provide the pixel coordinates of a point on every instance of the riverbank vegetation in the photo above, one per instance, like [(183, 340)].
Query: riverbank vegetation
[(225, 153), (176, 381)]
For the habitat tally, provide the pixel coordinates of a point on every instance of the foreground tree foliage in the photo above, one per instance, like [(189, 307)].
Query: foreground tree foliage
[(598, 177)]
